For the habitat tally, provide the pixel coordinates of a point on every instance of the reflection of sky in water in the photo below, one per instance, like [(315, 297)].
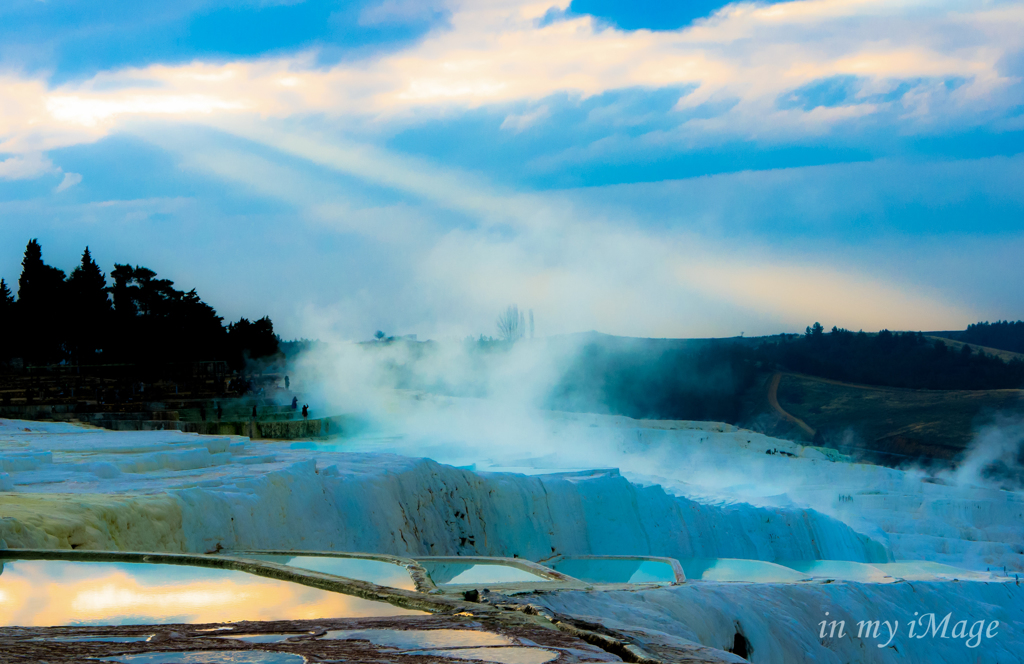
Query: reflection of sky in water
[(840, 569), (615, 570), (247, 657), (924, 570), (732, 569), (484, 573), (44, 592), (375, 571), (108, 639), (651, 571), (264, 638), (414, 639), (498, 655)]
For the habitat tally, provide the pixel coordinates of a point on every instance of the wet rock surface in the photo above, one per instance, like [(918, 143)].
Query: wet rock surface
[(445, 638)]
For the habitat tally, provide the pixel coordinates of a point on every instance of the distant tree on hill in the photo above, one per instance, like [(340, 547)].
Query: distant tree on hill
[(1003, 335), (6, 298), (137, 319), (89, 305), (292, 348), (137, 302), (200, 331), (646, 378), (510, 324), (252, 340), (137, 292), (41, 307), (893, 359), (154, 322), (6, 321)]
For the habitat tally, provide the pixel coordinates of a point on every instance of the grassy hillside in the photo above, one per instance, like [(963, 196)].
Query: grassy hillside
[(884, 424), (957, 347)]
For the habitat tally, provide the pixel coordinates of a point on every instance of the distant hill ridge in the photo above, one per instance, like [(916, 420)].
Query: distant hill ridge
[(1002, 335)]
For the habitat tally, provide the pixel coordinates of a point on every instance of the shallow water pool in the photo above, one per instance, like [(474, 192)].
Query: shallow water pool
[(734, 569), (510, 655), (471, 573), (616, 570), (841, 570), (924, 570), (380, 572), (57, 592), (418, 639), (209, 657)]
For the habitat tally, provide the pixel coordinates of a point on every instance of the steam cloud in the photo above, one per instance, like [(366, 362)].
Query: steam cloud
[(995, 456)]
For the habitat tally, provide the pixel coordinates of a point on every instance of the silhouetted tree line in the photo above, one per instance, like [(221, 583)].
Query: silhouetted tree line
[(658, 379), (138, 319), (1001, 334), (891, 359)]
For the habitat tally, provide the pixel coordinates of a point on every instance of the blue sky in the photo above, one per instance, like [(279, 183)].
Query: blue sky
[(643, 168)]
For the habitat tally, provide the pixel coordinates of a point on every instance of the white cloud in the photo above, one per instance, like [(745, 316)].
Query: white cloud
[(70, 180), (34, 165), (518, 123), (495, 53), (91, 111), (26, 167)]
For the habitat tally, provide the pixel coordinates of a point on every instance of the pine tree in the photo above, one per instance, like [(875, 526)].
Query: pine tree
[(41, 307), (251, 340), (6, 321), (31, 269), (89, 303), (88, 284), (6, 299), (138, 319)]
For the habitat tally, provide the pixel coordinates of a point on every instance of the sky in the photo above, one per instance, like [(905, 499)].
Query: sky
[(641, 168)]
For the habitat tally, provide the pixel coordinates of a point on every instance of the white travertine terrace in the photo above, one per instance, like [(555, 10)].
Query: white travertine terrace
[(680, 489)]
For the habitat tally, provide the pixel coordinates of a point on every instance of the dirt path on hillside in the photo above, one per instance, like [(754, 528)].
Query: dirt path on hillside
[(773, 399)]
